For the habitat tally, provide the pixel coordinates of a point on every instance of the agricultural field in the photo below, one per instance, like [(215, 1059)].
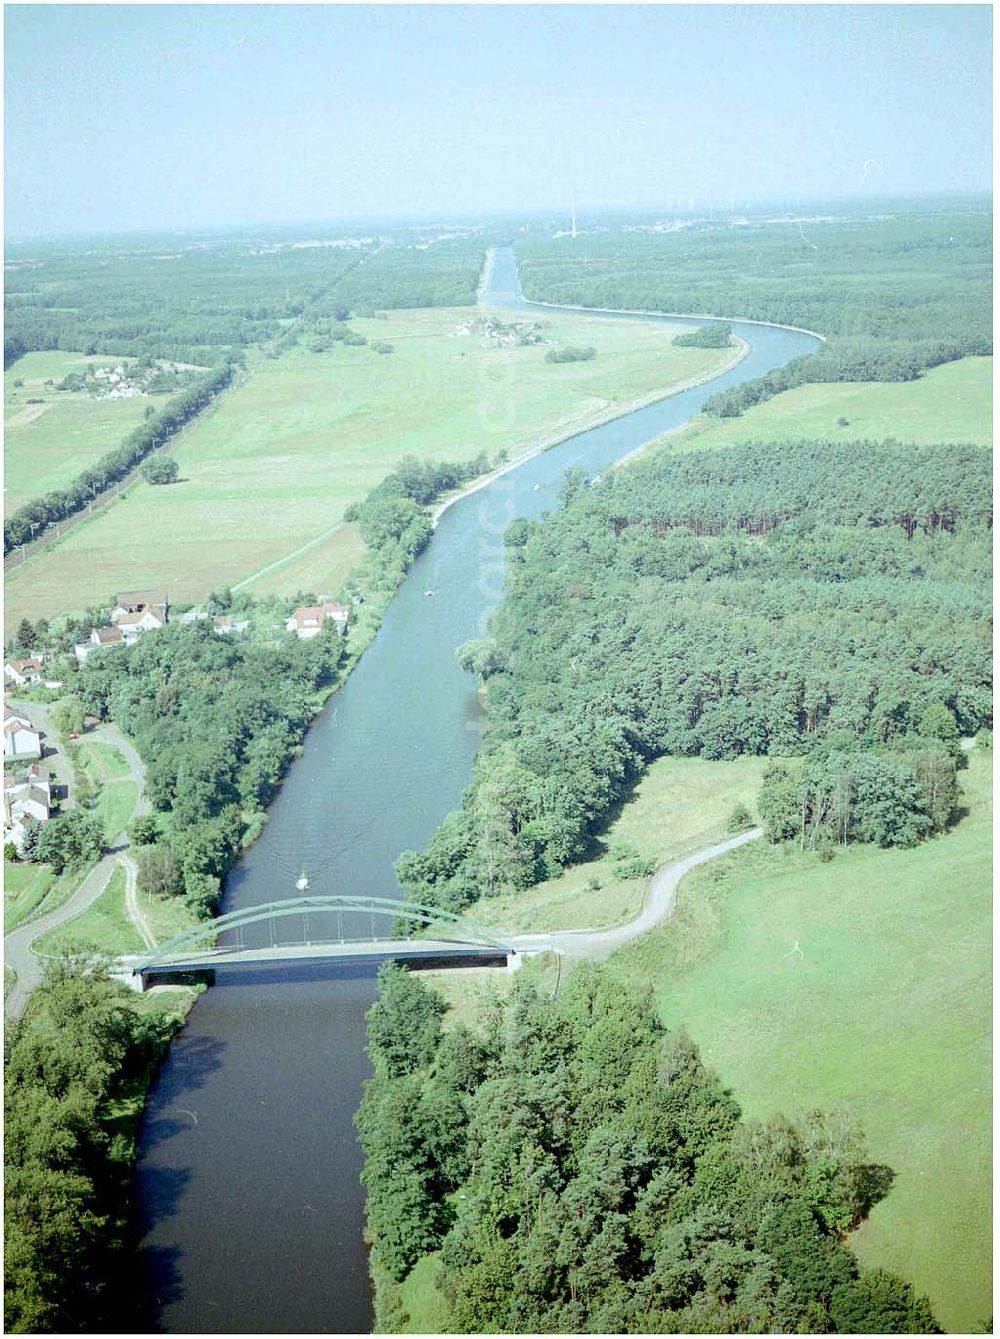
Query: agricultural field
[(950, 403), (882, 1010), (48, 444), (679, 806), (267, 472)]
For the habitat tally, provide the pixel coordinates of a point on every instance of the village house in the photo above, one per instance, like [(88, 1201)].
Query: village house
[(20, 738), (26, 796), (227, 626), (137, 601), (22, 672), (308, 619), (99, 639), (133, 625)]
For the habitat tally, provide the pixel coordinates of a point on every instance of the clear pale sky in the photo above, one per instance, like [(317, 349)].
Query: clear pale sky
[(157, 116)]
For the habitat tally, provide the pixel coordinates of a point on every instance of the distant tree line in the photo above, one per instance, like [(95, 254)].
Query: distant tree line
[(35, 517), (788, 600), (894, 295), (578, 1169)]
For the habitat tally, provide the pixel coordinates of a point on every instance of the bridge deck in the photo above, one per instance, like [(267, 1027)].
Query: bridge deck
[(362, 950)]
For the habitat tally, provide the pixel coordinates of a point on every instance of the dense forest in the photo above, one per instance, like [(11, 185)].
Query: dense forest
[(580, 1170), (787, 600), (74, 1072), (893, 293)]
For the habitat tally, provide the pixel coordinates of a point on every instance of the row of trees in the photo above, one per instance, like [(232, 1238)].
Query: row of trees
[(31, 520), (68, 1223), (580, 1170), (394, 519), (649, 617)]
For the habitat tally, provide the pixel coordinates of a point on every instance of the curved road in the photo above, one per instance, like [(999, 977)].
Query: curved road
[(18, 954), (661, 902)]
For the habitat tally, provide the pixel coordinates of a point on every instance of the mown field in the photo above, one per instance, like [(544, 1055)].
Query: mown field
[(679, 806), (884, 1011), (950, 403), (272, 467), (48, 444)]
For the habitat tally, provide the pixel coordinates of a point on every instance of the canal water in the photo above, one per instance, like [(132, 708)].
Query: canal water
[(252, 1209)]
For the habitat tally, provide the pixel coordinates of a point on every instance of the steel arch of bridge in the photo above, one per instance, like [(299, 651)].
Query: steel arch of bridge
[(414, 912)]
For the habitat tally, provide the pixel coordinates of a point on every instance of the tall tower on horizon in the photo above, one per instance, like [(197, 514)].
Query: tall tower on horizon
[(573, 230)]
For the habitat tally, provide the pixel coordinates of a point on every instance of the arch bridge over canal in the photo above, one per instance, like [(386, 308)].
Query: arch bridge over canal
[(435, 937)]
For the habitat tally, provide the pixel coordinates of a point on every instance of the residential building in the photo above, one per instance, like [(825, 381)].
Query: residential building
[(136, 601), (99, 639), (23, 672), (227, 626), (308, 620), (133, 625), (26, 796), (20, 738)]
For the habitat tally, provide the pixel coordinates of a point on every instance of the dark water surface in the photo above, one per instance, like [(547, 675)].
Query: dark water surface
[(248, 1168)]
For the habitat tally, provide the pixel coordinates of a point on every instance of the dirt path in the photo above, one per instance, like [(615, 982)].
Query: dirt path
[(135, 912)]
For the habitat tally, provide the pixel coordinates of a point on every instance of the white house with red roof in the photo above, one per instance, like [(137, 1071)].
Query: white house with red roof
[(308, 619), (132, 625), (137, 601)]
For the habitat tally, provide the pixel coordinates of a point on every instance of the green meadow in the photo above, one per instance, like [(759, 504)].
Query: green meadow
[(104, 926), (882, 1010), (679, 806), (950, 403), (48, 444), (268, 471)]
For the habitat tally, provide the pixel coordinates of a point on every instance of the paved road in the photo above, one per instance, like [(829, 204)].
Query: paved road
[(660, 904), (17, 945)]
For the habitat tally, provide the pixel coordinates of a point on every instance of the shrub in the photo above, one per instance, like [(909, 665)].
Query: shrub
[(740, 819), (571, 353), (159, 470)]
